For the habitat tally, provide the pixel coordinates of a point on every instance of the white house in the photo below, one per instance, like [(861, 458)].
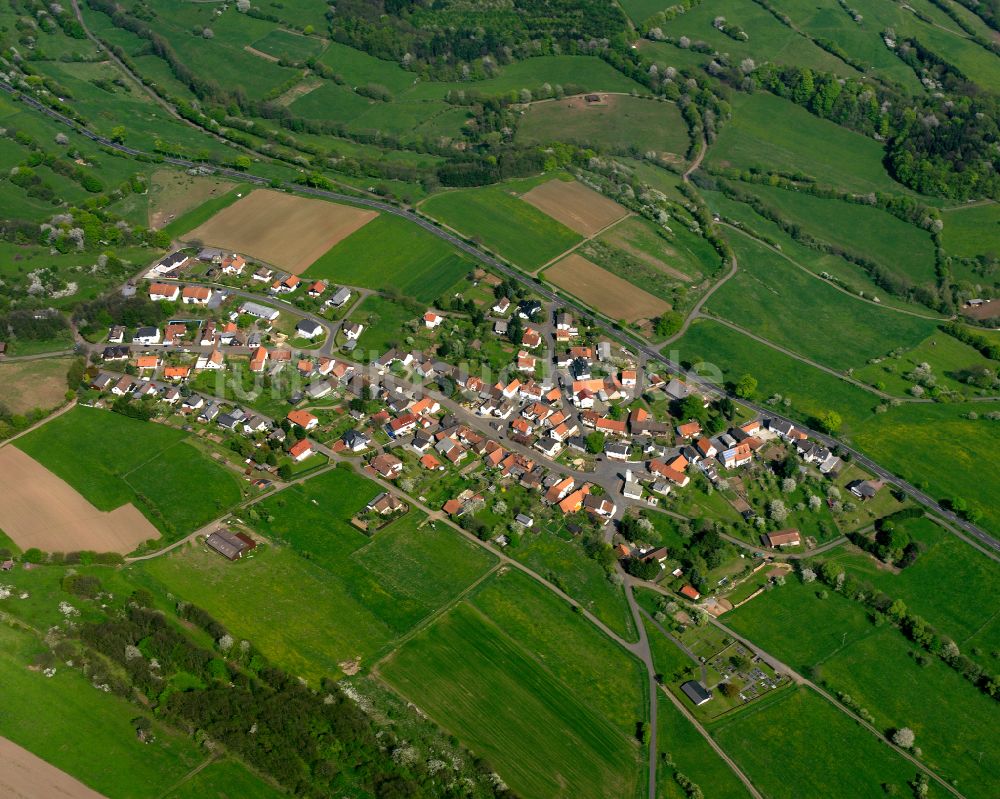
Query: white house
[(308, 329), (159, 292), (432, 320), (147, 335), (196, 295), (353, 330)]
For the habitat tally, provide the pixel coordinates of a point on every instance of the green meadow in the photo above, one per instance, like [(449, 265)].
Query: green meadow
[(776, 135), (383, 320), (113, 460), (290, 46), (390, 253), (499, 219), (476, 681), (822, 751), (785, 305), (972, 231)]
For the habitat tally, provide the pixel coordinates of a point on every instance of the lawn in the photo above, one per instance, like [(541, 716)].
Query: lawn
[(859, 229), (811, 391), (601, 674), (776, 135), (944, 586), (83, 731), (934, 445), (499, 219), (619, 124), (481, 685), (564, 563), (113, 460), (791, 308), (392, 253), (822, 751)]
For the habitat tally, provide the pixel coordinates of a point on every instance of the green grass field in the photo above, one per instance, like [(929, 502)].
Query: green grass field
[(509, 708), (224, 779), (621, 124), (682, 251), (785, 305), (596, 669), (776, 135), (822, 751), (112, 460), (944, 586), (876, 234), (933, 445), (497, 217), (291, 46), (810, 390), (391, 253), (972, 231), (383, 320), (198, 216), (358, 68), (102, 750)]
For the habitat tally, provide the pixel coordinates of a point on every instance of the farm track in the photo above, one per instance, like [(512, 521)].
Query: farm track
[(799, 679), (637, 344)]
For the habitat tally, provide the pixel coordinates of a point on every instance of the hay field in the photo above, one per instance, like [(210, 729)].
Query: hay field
[(172, 193), (608, 293), (24, 776), (37, 509), (579, 208), (281, 229)]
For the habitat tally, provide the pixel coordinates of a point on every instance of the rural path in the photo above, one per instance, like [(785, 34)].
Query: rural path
[(67, 407), (581, 242), (693, 166), (799, 679), (695, 311), (638, 345), (37, 357)]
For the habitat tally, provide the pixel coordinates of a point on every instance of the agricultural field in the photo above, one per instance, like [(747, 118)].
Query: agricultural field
[(678, 254), (200, 214), (618, 123), (473, 679), (575, 205), (824, 753), (501, 219), (611, 295), (392, 253), (173, 193), (286, 231), (28, 385), (771, 297), (112, 461), (775, 135)]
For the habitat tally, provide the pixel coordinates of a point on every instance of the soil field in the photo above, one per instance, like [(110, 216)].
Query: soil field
[(37, 509), (608, 293), (172, 193), (27, 385), (25, 776), (281, 229), (577, 207), (987, 310)]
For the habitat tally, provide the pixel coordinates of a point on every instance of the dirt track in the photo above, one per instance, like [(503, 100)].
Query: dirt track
[(38, 509), (281, 229), (25, 776), (577, 207)]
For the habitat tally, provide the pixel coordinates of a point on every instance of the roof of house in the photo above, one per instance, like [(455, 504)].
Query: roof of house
[(784, 537), (300, 447), (301, 418), (690, 592), (197, 292), (696, 692)]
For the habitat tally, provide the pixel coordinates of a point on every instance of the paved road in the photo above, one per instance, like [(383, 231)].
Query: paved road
[(638, 346)]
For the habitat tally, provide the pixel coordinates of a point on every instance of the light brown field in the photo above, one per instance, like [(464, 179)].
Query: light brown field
[(281, 229), (579, 208), (38, 509), (27, 385), (171, 193), (25, 776), (608, 293)]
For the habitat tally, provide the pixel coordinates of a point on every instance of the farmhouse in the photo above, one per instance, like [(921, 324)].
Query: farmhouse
[(196, 295), (259, 311), (696, 692), (168, 292), (229, 545), (783, 538)]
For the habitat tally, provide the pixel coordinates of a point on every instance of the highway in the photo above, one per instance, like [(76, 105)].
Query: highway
[(637, 345)]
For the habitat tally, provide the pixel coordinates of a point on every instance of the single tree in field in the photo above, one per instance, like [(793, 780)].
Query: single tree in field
[(904, 737), (746, 386)]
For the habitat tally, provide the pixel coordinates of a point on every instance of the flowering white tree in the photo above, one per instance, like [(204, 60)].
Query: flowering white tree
[(904, 737)]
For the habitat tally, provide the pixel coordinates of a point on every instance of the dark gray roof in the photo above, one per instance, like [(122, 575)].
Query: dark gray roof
[(696, 692)]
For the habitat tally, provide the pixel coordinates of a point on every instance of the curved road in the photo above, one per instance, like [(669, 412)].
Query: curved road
[(637, 345)]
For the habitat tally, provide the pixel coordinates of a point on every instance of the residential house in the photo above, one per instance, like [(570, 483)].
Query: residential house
[(782, 538), (170, 263), (232, 264), (196, 295), (116, 335), (258, 359), (353, 330), (307, 328), (339, 298), (285, 285), (387, 466), (501, 306), (263, 274), (317, 288), (432, 320), (303, 419), (160, 292), (691, 593), (229, 545), (147, 335), (301, 450), (385, 504), (695, 691), (865, 489), (689, 429)]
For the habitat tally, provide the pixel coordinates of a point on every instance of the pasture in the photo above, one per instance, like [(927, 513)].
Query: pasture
[(499, 218), (358, 68), (678, 254), (27, 385), (776, 135), (823, 752), (37, 509), (810, 390), (972, 231), (391, 253), (619, 123), (288, 45), (775, 299), (173, 193), (24, 774), (935, 446), (575, 205), (611, 295), (509, 708), (112, 460), (284, 230)]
